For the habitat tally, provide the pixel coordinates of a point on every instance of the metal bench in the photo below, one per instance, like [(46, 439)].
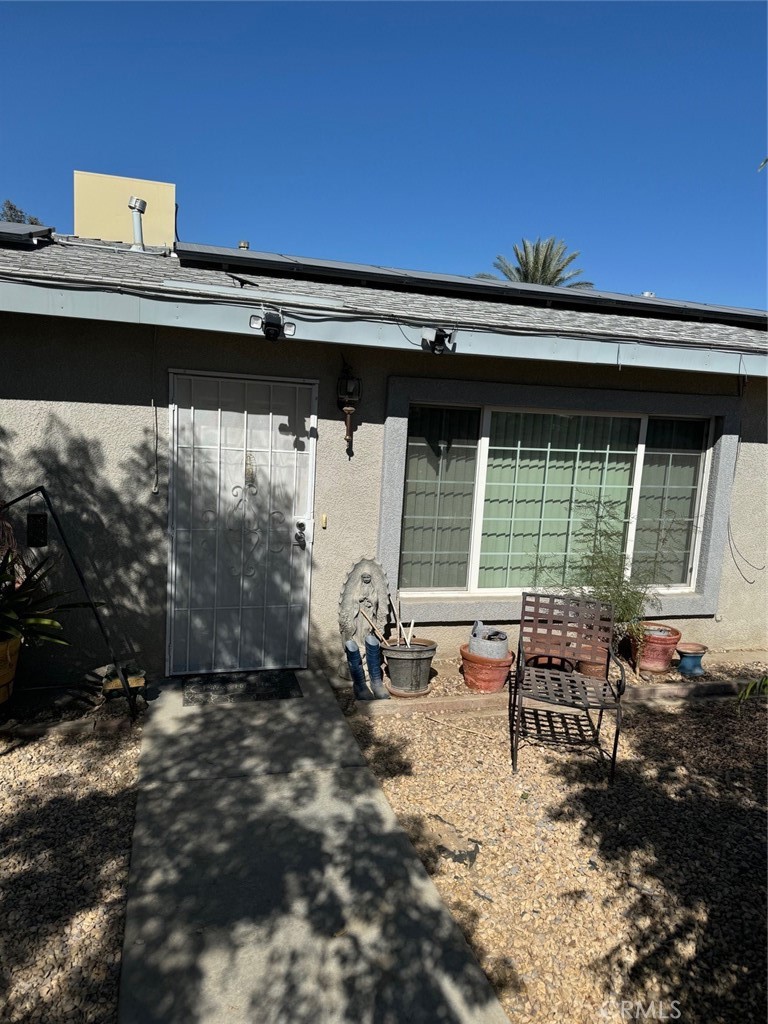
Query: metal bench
[(557, 633)]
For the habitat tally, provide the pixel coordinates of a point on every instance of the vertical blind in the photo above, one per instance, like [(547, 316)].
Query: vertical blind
[(669, 498), (541, 471), (439, 492)]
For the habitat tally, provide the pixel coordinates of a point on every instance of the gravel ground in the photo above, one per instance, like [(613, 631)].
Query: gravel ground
[(582, 897), (575, 896), (66, 817)]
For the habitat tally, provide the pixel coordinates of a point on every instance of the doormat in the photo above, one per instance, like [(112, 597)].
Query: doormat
[(241, 687)]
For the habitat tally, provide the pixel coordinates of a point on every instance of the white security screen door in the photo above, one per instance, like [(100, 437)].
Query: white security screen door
[(241, 524)]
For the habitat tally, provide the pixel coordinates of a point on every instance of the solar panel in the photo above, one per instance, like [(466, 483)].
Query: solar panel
[(367, 274)]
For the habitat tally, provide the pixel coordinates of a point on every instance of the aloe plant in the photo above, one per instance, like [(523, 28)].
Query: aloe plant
[(26, 606)]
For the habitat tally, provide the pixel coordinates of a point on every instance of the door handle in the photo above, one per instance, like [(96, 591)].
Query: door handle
[(300, 536)]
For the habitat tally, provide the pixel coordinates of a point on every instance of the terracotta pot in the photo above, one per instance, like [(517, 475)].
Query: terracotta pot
[(485, 675), (9, 656), (658, 645), (539, 656), (596, 665)]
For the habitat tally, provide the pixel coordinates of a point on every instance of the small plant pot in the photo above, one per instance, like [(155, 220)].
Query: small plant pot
[(657, 647), (485, 675), (690, 659), (9, 657), (596, 665), (409, 667)]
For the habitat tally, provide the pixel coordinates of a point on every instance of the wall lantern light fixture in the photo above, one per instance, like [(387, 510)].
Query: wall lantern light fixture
[(349, 390), (273, 325)]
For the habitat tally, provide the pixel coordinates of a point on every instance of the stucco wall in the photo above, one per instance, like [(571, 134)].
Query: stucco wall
[(76, 413), (742, 618)]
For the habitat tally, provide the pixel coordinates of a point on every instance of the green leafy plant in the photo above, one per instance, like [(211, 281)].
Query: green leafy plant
[(597, 568), (26, 605), (754, 688), (600, 565)]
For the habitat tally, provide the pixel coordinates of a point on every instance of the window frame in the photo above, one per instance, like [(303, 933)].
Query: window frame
[(699, 597)]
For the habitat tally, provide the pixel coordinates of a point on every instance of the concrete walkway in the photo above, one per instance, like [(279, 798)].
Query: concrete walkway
[(270, 882)]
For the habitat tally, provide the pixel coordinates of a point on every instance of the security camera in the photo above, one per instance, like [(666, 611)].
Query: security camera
[(272, 325), (437, 340)]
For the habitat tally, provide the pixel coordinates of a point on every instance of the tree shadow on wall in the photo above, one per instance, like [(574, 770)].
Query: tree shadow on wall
[(685, 823), (116, 528)]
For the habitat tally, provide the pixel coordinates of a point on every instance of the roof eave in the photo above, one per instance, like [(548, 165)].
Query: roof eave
[(89, 303)]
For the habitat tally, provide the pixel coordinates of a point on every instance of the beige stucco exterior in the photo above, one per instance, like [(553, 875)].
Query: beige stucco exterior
[(101, 208), (80, 403)]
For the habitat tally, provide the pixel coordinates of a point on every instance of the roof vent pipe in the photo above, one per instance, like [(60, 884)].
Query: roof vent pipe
[(137, 206), (243, 245)]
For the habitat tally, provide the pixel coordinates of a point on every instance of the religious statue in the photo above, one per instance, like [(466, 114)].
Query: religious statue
[(365, 593)]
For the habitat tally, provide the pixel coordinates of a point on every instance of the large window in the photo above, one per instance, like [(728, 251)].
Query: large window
[(496, 499)]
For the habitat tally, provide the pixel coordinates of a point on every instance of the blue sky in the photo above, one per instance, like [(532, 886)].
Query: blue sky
[(420, 135)]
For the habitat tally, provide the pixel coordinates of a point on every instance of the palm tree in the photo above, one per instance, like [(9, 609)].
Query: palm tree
[(540, 262)]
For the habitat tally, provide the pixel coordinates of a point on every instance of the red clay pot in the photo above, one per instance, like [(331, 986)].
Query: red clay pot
[(485, 675), (596, 665), (659, 644)]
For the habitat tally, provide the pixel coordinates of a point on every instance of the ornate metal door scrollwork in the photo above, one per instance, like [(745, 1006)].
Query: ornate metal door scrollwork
[(246, 524), (276, 521), (207, 518)]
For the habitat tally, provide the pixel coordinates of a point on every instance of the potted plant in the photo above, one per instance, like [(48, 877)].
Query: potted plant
[(599, 570), (25, 613)]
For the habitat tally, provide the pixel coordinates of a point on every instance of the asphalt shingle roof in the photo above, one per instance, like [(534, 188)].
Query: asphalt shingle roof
[(76, 262)]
